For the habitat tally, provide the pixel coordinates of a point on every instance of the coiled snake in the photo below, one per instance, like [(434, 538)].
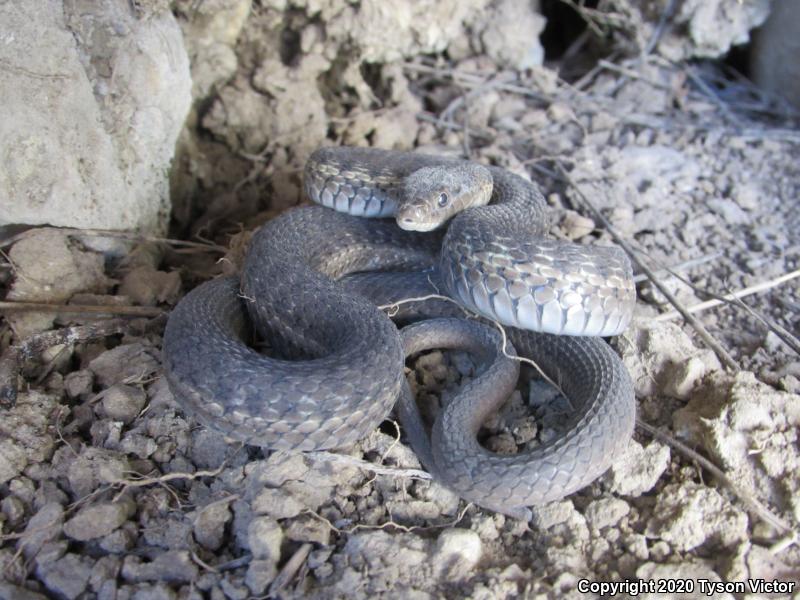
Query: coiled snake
[(334, 365)]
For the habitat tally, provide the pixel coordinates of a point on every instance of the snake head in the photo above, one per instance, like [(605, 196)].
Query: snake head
[(433, 195)]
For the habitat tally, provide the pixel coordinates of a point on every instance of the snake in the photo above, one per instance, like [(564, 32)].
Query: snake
[(295, 354)]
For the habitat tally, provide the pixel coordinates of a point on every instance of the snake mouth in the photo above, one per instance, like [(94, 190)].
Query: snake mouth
[(411, 224)]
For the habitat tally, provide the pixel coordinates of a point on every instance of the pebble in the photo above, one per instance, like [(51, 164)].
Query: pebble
[(134, 362), (209, 525), (309, 529), (13, 509), (13, 592), (576, 226), (687, 515), (123, 402), (638, 468), (13, 459), (66, 577), (605, 512), (683, 377), (264, 537), (78, 383), (171, 566), (456, 552), (260, 573), (277, 503), (42, 527), (98, 520)]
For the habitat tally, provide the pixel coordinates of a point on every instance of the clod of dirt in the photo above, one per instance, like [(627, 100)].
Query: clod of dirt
[(123, 402), (730, 416), (126, 363), (688, 515), (637, 469), (98, 520), (148, 286), (50, 268)]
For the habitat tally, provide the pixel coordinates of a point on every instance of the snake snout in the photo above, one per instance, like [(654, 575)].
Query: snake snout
[(414, 218)]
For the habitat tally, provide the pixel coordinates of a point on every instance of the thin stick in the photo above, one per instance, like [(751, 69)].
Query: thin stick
[(694, 262), (290, 569), (753, 289), (125, 235), (15, 356), (78, 309), (723, 354), (368, 466), (762, 511)]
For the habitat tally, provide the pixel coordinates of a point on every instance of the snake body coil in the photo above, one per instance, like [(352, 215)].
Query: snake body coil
[(334, 366)]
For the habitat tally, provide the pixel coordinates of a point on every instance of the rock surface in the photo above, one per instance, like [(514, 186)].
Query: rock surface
[(94, 97)]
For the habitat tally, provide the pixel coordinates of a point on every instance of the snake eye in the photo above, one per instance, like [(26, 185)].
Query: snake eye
[(443, 199)]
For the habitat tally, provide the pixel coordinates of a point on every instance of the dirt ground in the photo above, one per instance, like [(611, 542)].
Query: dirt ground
[(110, 490)]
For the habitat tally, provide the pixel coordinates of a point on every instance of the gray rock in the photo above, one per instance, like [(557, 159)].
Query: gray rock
[(510, 35), (9, 591), (606, 512), (171, 566), (638, 468), (209, 524), (134, 362), (264, 537), (309, 529), (42, 527), (78, 383), (120, 540), (13, 459), (94, 100), (95, 467), (13, 509), (67, 577), (156, 591), (123, 402), (456, 553), (688, 515), (98, 520), (277, 503), (260, 573)]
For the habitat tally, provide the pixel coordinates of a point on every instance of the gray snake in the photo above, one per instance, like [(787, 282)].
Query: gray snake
[(333, 365)]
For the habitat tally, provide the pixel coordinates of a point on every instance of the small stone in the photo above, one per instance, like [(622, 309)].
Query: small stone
[(148, 286), (637, 469), (605, 512), (171, 566), (264, 537), (309, 529), (13, 509), (456, 553), (683, 377), (123, 402), (260, 573), (120, 540), (97, 520), (554, 513), (13, 460), (78, 383), (277, 503), (13, 592), (42, 527), (576, 226), (132, 362), (155, 591), (209, 525), (688, 515), (67, 577)]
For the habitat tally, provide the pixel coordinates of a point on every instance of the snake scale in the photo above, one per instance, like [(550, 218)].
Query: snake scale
[(333, 364)]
